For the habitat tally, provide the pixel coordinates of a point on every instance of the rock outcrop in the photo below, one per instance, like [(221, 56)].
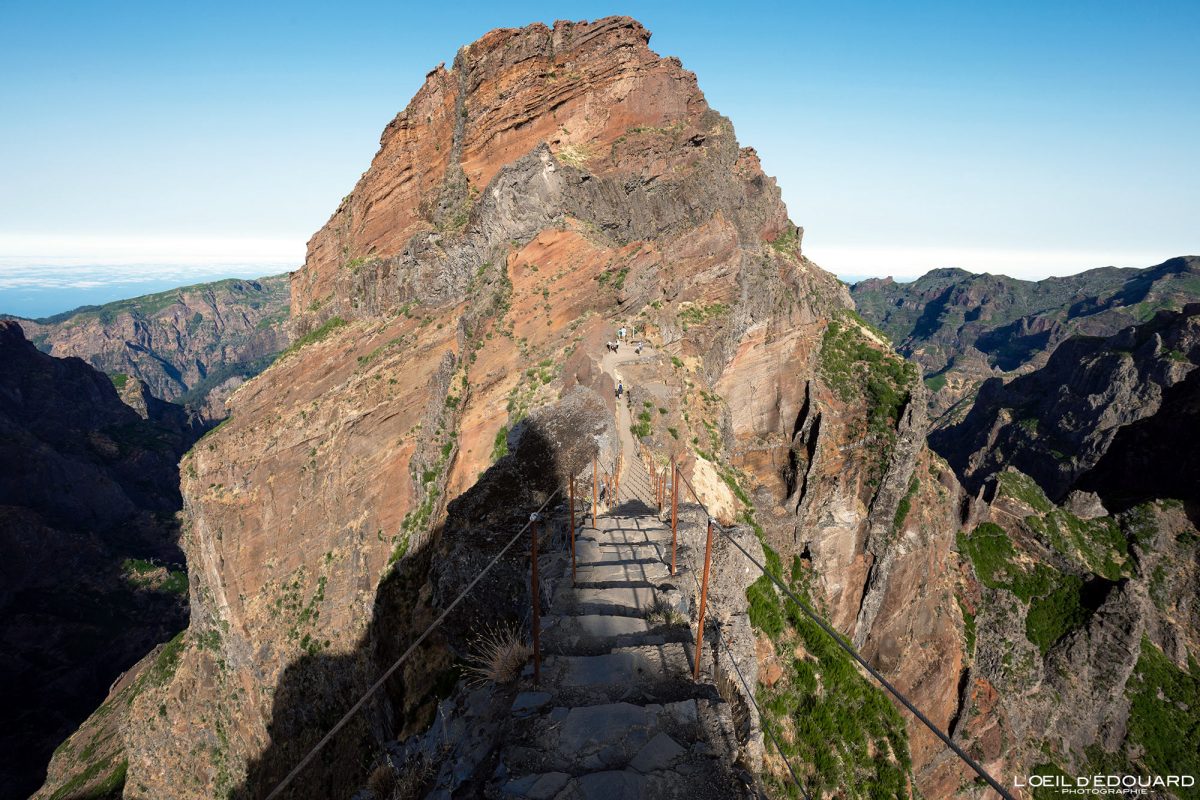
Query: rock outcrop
[(557, 183), (1059, 423), (192, 345), (91, 572), (1082, 635)]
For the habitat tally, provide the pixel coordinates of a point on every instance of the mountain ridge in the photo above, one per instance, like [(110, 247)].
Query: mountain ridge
[(91, 569), (192, 345), (964, 328), (448, 373)]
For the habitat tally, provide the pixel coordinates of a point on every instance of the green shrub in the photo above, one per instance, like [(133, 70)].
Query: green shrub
[(696, 314), (992, 554), (1020, 486), (316, 335), (1052, 616), (936, 383), (905, 504), (500, 444), (852, 366), (1164, 714), (764, 610)]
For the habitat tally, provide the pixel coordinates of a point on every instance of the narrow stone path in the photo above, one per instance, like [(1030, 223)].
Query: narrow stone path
[(617, 713)]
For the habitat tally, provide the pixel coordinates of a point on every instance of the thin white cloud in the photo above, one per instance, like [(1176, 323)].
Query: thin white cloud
[(22, 249), (15, 277)]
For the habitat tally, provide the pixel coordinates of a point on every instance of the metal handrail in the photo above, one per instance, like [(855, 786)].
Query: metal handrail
[(841, 642), (341, 723)]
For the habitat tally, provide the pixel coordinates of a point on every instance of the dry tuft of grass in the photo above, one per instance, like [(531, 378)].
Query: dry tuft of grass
[(413, 779), (499, 654), (661, 612), (407, 783), (382, 782)]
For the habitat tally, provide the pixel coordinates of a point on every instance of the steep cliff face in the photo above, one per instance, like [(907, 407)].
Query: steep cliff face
[(1083, 634), (87, 501), (964, 328), (192, 345), (556, 184), (1080, 578), (1059, 422)]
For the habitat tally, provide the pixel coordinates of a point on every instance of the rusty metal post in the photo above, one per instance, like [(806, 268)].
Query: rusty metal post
[(537, 602), (703, 600), (674, 511), (571, 492), (594, 491)]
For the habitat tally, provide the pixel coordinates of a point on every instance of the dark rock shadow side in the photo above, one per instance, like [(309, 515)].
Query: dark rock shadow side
[(317, 690)]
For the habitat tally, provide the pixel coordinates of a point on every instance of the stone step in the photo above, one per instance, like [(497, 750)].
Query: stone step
[(684, 750), (588, 551), (698, 779), (595, 634), (651, 673), (622, 572), (627, 601), (632, 530), (630, 600), (608, 736)]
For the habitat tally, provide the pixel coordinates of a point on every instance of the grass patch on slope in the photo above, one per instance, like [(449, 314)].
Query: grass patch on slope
[(317, 334), (852, 365), (1164, 715), (1054, 599), (839, 731)]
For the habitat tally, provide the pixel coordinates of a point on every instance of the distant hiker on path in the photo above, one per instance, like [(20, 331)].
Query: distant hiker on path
[(637, 348), (620, 389), (621, 333)]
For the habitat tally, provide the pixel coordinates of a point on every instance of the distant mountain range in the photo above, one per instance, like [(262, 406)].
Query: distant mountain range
[(191, 345), (963, 328), (1116, 415)]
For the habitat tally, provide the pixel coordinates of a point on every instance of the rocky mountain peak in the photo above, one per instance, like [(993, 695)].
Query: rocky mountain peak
[(533, 126)]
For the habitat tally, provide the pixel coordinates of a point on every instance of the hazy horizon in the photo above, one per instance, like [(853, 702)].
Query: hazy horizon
[(1028, 141)]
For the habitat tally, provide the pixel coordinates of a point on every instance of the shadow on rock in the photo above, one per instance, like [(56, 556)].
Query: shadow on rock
[(317, 690)]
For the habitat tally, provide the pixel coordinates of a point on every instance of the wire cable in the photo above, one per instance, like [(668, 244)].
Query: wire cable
[(396, 665), (916, 712), (745, 684)]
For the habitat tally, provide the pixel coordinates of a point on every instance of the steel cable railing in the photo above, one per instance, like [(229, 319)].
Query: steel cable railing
[(341, 723), (721, 641), (844, 645)]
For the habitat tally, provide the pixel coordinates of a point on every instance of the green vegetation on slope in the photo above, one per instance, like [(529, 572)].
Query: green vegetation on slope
[(852, 365), (838, 731), (1054, 599), (315, 335), (1023, 488), (1164, 716)]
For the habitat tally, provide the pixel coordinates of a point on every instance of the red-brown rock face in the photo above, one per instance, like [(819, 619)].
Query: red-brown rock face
[(556, 183)]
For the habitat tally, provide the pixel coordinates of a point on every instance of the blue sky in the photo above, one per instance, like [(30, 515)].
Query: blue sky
[(1030, 138)]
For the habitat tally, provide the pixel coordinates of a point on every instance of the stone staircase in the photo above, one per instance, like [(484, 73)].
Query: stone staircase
[(616, 713)]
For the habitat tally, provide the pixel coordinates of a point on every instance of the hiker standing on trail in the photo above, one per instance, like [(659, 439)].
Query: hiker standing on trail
[(621, 333), (637, 348), (620, 389)]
